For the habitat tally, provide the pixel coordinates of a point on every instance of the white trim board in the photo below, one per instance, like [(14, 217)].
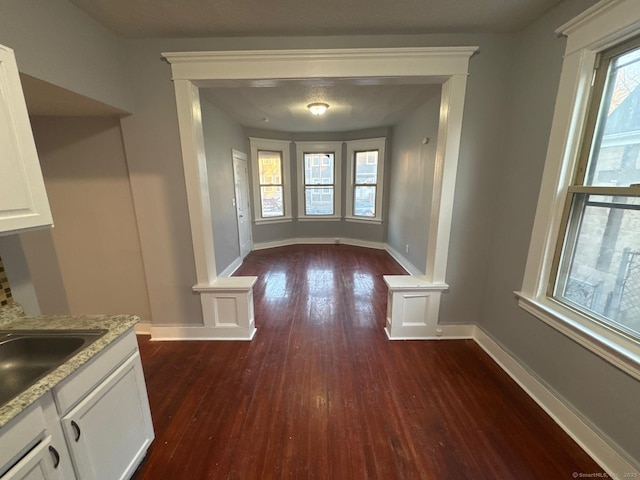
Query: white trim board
[(601, 451), (354, 242), (230, 270), (178, 333)]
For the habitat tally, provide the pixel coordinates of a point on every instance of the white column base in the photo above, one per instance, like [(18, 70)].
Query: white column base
[(412, 308), (227, 309)]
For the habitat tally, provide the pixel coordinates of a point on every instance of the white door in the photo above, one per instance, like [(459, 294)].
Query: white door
[(243, 210)]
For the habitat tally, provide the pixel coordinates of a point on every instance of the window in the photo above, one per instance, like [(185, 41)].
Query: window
[(319, 174), (365, 173), (598, 261), (581, 276), (270, 168), (271, 191)]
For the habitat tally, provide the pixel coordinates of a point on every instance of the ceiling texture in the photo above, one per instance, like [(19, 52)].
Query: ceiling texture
[(283, 107)]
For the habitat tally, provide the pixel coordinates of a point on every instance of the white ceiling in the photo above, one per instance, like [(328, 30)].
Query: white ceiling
[(351, 107), (250, 18)]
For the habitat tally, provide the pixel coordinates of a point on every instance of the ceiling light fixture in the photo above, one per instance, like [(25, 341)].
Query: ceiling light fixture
[(317, 108)]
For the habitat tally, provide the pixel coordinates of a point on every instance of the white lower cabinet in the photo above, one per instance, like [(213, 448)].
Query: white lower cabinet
[(94, 425), (109, 431)]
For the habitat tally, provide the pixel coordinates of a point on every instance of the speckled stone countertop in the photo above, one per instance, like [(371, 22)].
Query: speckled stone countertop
[(13, 318)]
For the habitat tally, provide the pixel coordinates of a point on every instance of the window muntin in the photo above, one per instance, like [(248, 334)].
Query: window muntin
[(319, 184), (598, 260), (365, 183), (271, 188)]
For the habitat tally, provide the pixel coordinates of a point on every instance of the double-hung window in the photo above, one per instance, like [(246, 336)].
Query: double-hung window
[(582, 275), (319, 171), (597, 263), (365, 173), (270, 168)]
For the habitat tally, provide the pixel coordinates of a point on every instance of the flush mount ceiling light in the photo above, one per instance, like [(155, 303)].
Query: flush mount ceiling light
[(317, 108)]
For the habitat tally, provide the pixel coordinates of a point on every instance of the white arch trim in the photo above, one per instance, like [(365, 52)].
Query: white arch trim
[(191, 70)]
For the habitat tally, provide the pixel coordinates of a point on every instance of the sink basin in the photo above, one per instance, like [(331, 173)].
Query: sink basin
[(27, 355)]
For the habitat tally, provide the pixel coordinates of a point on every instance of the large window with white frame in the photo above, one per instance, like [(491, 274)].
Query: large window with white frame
[(597, 262), (270, 169), (583, 269), (319, 174), (365, 173)]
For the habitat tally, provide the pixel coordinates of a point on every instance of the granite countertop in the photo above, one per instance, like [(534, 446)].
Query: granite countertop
[(13, 318)]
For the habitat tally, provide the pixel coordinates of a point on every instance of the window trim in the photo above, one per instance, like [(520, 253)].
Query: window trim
[(599, 28), (320, 147), (354, 146), (273, 146)]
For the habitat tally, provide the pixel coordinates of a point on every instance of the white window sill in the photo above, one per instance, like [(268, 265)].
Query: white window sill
[(374, 221), (320, 218), (612, 346), (263, 221)]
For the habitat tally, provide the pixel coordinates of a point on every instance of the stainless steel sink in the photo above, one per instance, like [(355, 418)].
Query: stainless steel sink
[(27, 355)]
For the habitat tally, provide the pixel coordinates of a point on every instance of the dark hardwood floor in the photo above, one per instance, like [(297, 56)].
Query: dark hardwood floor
[(321, 393)]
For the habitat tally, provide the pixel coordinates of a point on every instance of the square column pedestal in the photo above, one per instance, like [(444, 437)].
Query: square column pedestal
[(412, 308), (227, 308)]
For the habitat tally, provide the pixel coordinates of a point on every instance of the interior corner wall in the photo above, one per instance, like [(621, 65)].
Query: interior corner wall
[(411, 187), (95, 237), (221, 135), (603, 395), (56, 42), (152, 146)]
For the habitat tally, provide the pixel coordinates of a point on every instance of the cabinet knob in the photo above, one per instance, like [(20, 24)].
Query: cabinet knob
[(76, 430), (55, 455)]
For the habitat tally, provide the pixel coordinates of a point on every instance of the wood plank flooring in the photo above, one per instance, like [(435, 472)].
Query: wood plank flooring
[(320, 393)]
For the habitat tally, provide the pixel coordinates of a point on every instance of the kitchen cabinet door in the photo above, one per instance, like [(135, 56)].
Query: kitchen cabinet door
[(23, 198), (109, 431)]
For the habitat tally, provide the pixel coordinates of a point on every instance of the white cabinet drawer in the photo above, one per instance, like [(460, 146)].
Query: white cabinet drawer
[(72, 389), (20, 435)]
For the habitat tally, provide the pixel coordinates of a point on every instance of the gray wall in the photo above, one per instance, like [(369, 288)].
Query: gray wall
[(604, 395), (412, 167), (221, 135), (97, 263), (56, 42)]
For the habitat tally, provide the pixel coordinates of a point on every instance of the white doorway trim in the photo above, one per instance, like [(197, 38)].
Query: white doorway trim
[(447, 66), (243, 205)]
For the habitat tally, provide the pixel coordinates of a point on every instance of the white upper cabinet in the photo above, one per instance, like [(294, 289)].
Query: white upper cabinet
[(23, 198)]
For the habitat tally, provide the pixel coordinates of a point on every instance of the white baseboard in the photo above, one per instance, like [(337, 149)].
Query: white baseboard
[(444, 332), (319, 241), (602, 452), (404, 263), (230, 270), (143, 328), (171, 333)]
